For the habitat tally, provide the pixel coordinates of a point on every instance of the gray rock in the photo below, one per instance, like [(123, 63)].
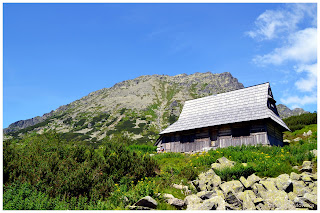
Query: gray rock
[(179, 204), (310, 198), (167, 196), (279, 199), (244, 182), (233, 201), (299, 188), (306, 177), (253, 179), (214, 203), (257, 188), (301, 202), (192, 199), (233, 185), (204, 195), (248, 203), (283, 182), (292, 196), (294, 176), (225, 162), (309, 133), (147, 202), (138, 208), (269, 185), (306, 166)]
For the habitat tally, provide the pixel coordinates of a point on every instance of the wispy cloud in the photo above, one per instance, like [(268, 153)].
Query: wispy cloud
[(300, 47), (272, 23), (296, 46), (296, 101)]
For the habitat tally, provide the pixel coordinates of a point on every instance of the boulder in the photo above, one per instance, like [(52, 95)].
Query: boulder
[(292, 196), (214, 203), (279, 199), (269, 185), (167, 196), (179, 204), (244, 182), (283, 182), (215, 166), (294, 176), (306, 166), (233, 201), (225, 162), (253, 179), (262, 206), (309, 133), (233, 185), (306, 177), (138, 208), (204, 195), (208, 180), (299, 188), (192, 199), (219, 203), (147, 202), (257, 188), (310, 198), (301, 202), (248, 198), (258, 200)]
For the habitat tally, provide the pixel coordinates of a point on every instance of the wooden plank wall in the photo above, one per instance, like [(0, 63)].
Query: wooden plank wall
[(262, 132)]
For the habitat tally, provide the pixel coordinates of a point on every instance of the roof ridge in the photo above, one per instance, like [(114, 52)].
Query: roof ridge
[(227, 92)]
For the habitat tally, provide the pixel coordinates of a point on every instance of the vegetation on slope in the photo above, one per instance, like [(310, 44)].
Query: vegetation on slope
[(299, 121), (48, 172)]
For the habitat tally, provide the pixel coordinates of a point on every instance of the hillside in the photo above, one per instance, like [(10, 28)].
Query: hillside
[(142, 107), (285, 112)]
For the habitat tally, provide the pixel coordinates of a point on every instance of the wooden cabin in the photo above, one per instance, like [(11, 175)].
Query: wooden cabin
[(246, 116)]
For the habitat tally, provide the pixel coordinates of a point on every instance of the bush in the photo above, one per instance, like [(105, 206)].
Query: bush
[(59, 168), (234, 173), (298, 122)]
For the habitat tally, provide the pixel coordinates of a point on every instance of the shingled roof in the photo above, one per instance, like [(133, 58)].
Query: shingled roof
[(231, 107)]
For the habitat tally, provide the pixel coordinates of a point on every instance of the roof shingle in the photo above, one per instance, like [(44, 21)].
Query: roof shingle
[(236, 106)]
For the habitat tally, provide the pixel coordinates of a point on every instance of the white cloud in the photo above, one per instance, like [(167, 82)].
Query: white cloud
[(309, 83), (296, 48), (272, 23), (301, 47), (296, 101)]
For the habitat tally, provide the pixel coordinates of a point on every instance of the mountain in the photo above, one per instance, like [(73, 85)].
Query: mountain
[(141, 107), (285, 112)]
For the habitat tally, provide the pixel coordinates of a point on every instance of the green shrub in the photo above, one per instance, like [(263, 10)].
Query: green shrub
[(234, 173), (298, 122)]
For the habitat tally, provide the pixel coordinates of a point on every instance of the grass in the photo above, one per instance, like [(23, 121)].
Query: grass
[(172, 168)]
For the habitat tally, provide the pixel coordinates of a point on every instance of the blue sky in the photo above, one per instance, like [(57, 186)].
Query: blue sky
[(54, 54)]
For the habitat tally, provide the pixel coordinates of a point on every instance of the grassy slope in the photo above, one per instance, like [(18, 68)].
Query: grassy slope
[(172, 168)]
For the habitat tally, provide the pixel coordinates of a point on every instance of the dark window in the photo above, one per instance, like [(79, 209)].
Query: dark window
[(237, 132)]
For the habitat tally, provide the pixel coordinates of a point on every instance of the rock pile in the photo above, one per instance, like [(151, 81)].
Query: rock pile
[(285, 192)]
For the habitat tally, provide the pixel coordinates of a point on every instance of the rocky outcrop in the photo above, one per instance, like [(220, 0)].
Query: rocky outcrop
[(285, 192), (145, 203), (285, 112)]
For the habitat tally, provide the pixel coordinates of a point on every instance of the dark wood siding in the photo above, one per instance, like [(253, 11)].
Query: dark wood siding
[(262, 132)]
